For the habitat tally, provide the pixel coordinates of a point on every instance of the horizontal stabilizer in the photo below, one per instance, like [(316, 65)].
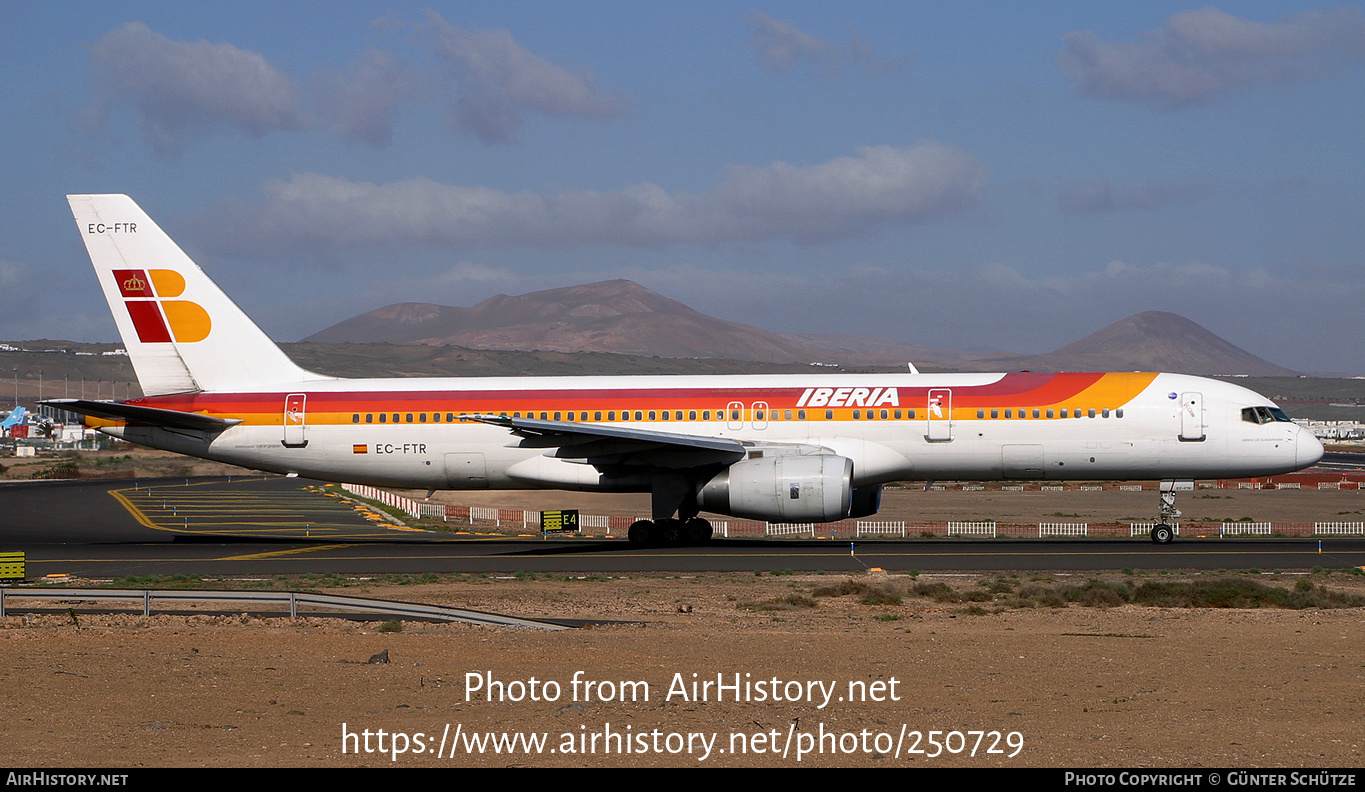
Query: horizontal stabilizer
[(145, 416)]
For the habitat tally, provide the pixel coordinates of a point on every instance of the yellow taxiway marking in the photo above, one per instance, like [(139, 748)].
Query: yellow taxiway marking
[(276, 553)]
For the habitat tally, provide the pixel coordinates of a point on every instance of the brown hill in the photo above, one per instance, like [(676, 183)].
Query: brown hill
[(623, 317), (1149, 341), (609, 316)]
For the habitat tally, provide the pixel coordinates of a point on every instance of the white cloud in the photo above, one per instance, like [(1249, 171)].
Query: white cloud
[(1100, 195), (782, 47), (499, 83), (1201, 54), (363, 104), (842, 197), (183, 91)]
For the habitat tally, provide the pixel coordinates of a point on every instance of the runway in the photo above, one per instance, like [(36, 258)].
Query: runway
[(277, 526)]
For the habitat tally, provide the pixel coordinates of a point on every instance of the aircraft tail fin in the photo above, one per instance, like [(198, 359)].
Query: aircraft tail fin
[(181, 331), (15, 417)]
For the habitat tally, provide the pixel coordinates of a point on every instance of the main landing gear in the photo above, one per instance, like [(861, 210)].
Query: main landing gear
[(670, 494), (692, 531), (1165, 529)]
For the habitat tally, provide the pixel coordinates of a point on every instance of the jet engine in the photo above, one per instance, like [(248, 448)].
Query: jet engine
[(794, 488)]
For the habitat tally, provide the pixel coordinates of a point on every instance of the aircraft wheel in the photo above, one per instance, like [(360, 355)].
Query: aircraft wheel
[(673, 532), (641, 533), (699, 531), (1162, 534)]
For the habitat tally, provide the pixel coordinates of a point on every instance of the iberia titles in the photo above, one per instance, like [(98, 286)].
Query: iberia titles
[(849, 397)]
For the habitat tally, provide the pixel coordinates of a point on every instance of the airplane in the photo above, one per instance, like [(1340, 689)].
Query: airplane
[(15, 418), (784, 448)]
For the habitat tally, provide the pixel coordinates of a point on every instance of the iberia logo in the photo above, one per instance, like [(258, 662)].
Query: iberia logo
[(157, 317)]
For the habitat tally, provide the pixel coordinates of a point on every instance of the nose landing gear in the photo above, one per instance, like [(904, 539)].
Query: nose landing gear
[(1168, 520)]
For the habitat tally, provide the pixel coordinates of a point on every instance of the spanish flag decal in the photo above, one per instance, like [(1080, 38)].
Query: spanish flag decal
[(360, 448)]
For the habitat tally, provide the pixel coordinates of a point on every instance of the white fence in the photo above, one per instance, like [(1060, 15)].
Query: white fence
[(874, 528), (1062, 529), (1339, 528), (788, 529), (972, 528), (408, 506), (1256, 528)]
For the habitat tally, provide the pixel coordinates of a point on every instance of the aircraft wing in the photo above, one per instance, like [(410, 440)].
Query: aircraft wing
[(145, 416), (604, 445)]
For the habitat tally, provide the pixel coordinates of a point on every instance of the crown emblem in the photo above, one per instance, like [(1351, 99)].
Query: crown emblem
[(134, 284)]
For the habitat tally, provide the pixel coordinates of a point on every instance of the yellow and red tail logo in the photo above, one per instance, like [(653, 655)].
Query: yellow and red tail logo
[(157, 318)]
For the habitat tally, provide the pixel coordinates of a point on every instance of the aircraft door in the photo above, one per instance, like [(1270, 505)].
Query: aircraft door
[(1021, 461), (734, 415), (1191, 417), (295, 420), (760, 415), (466, 471), (940, 415)]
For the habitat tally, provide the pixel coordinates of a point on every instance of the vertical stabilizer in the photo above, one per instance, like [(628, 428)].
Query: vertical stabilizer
[(181, 331)]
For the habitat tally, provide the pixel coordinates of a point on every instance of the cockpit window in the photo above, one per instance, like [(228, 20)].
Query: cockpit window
[(1262, 415)]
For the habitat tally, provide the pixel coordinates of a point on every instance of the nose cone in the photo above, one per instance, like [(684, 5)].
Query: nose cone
[(1308, 449)]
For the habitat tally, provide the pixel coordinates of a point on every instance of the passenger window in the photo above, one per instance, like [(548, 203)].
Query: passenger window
[(1091, 412), (883, 415), (369, 417), (995, 413), (898, 415), (1105, 412), (597, 415), (691, 415), (910, 414), (857, 414), (980, 413), (829, 415), (706, 415), (1118, 413), (665, 415), (1035, 413), (421, 418), (639, 416), (1049, 413), (355, 418), (383, 418)]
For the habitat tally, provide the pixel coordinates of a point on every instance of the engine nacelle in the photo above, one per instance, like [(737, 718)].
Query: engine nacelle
[(812, 488)]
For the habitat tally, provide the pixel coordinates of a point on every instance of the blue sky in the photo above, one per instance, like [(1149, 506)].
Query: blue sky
[(979, 175)]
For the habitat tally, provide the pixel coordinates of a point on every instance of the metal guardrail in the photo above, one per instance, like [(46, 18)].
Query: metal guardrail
[(293, 598)]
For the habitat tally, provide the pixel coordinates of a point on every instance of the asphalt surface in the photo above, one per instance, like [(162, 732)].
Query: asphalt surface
[(276, 526)]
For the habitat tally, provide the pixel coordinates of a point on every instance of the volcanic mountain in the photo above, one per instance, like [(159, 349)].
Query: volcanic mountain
[(624, 317), (1149, 341), (609, 316)]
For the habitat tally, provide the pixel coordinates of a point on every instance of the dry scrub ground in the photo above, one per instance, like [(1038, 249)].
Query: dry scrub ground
[(1083, 686)]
